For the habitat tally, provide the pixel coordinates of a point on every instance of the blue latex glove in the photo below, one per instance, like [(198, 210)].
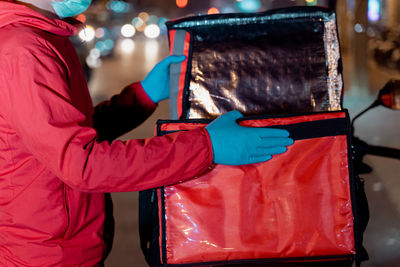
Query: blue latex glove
[(233, 144), (156, 83)]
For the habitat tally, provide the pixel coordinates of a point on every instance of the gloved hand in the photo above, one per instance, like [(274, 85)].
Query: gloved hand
[(156, 83), (233, 144)]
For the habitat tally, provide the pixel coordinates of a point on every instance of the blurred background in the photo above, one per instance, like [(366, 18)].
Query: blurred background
[(123, 40)]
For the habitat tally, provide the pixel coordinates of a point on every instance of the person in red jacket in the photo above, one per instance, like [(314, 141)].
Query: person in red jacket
[(58, 153)]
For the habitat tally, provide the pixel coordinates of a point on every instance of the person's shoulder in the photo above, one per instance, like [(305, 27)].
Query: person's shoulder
[(22, 40)]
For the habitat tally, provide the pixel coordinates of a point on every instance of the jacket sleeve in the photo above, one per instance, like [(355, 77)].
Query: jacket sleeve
[(122, 113), (39, 108)]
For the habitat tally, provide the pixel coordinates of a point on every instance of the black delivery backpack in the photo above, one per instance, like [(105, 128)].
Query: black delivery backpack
[(281, 69)]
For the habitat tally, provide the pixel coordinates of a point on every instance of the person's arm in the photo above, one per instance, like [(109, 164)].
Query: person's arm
[(38, 106), (135, 103), (122, 113)]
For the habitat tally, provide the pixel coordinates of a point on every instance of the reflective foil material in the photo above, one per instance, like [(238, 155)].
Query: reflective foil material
[(284, 61), (295, 207), (332, 50)]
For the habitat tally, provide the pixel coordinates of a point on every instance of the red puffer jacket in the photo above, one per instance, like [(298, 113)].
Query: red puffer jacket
[(54, 170)]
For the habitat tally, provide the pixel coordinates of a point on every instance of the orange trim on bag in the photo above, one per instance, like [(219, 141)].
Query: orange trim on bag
[(259, 122), (292, 120), (181, 126)]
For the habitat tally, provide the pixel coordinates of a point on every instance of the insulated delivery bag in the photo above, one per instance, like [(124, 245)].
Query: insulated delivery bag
[(280, 68)]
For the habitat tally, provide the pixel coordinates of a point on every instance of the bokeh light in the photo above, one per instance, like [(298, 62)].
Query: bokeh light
[(108, 44), (152, 31), (374, 10), (181, 3), (93, 62), (358, 28), (87, 34), (141, 28), (248, 5), (100, 32), (213, 10), (94, 52), (93, 59), (161, 21), (311, 2), (81, 18), (128, 30), (144, 16), (100, 46), (162, 25), (118, 6), (137, 22)]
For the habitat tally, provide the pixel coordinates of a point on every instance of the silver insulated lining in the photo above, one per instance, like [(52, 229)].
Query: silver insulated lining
[(278, 62)]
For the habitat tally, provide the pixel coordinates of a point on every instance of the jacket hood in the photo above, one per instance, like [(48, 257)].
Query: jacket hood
[(12, 13)]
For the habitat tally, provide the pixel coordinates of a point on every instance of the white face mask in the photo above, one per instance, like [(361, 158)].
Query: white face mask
[(69, 8)]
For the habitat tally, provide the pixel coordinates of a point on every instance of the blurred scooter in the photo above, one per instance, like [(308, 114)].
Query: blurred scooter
[(388, 96)]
